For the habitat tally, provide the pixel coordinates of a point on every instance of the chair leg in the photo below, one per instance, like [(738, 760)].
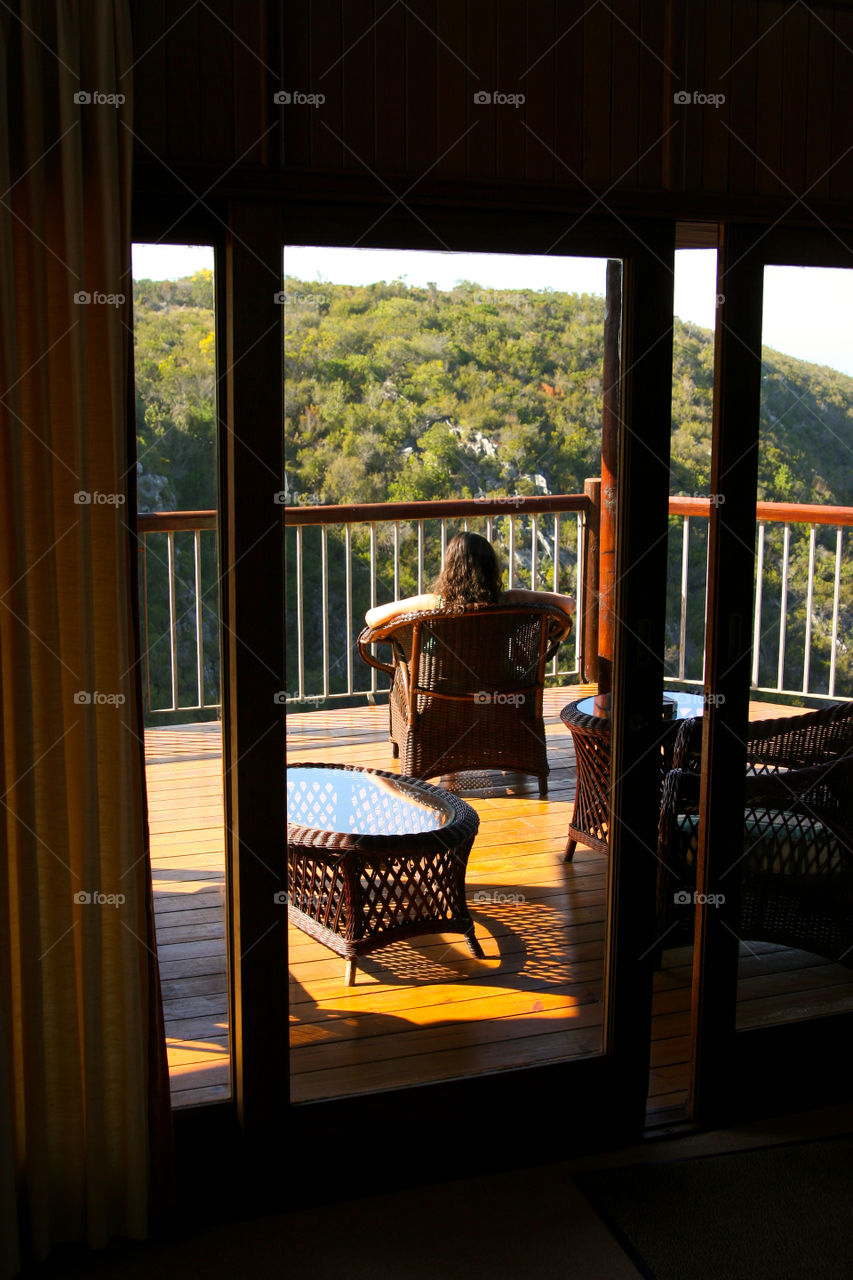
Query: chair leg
[(473, 945), (349, 979), (543, 787), (395, 750), (570, 850)]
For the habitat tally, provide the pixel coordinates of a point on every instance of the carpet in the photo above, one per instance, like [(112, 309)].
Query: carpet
[(773, 1213)]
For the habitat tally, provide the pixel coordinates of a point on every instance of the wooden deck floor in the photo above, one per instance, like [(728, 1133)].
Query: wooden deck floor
[(426, 1009)]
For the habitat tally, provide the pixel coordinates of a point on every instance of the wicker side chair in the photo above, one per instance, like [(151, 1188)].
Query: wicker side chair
[(795, 868), (466, 686)]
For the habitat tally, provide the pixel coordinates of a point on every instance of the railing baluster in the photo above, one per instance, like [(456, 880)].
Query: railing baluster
[(534, 550), (300, 619), (685, 565), (443, 537), (580, 523), (783, 610), (145, 619), (373, 685), (348, 591), (836, 596), (420, 557), (759, 585), (511, 566), (173, 624), (397, 592), (199, 635), (807, 649), (324, 604)]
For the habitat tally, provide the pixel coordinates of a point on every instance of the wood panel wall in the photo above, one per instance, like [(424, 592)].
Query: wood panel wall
[(600, 119)]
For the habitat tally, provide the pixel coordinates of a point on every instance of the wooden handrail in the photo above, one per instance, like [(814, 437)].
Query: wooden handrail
[(176, 521), (367, 512), (778, 512)]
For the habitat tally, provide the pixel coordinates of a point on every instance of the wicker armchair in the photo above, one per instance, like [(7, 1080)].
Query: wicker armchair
[(790, 742), (795, 867), (466, 686)]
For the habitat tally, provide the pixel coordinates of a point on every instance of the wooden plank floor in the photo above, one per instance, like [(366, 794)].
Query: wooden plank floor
[(427, 1009)]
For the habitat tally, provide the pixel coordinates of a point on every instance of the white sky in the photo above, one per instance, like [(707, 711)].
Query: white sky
[(807, 310)]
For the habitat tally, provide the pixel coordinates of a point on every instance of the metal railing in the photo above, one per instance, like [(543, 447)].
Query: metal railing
[(397, 548), (185, 596), (344, 560), (792, 607)]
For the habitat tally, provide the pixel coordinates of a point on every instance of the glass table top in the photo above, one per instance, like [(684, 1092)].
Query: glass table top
[(351, 801), (686, 705)]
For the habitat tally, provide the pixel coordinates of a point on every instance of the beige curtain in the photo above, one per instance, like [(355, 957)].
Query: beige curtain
[(82, 1071)]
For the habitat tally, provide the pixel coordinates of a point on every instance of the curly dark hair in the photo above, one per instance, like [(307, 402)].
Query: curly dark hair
[(471, 573)]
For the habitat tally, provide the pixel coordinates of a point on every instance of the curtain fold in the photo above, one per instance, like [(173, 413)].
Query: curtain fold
[(84, 1110)]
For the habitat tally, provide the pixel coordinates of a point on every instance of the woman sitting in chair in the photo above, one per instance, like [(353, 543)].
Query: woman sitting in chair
[(471, 574)]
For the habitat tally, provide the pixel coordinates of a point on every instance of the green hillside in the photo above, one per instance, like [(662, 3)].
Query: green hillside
[(398, 392)]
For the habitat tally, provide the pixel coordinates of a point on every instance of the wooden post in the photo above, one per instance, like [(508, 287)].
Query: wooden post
[(588, 606), (611, 401)]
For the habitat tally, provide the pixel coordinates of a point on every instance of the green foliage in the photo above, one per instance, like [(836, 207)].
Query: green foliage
[(175, 375), (398, 392)]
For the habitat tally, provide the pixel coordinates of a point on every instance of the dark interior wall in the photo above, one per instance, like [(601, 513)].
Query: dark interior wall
[(599, 117)]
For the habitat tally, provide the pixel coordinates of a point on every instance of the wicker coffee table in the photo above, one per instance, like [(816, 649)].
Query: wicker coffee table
[(373, 858)]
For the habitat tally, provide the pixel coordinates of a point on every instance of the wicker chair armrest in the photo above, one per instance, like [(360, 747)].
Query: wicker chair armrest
[(367, 637), (559, 630), (688, 744)]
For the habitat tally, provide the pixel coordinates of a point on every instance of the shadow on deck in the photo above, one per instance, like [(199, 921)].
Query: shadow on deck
[(426, 1010)]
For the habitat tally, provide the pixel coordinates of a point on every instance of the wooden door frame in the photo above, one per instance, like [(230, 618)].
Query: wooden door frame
[(241, 1146), (735, 1073), (613, 1086)]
